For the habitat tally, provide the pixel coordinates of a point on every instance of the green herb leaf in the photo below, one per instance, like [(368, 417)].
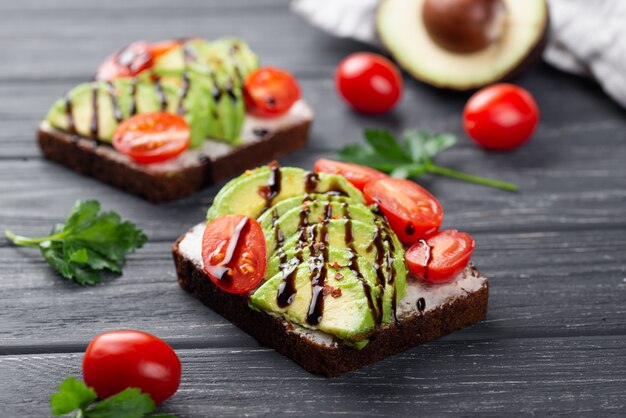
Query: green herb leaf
[(414, 144), (360, 154), (129, 403), (73, 394), (385, 145), (412, 158), (87, 244)]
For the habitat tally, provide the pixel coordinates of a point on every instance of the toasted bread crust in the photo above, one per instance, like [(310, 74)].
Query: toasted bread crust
[(321, 359), (98, 160)]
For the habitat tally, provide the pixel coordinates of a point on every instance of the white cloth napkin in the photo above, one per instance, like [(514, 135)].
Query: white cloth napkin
[(587, 37)]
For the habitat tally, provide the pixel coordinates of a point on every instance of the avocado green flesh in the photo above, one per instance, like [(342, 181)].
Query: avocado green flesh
[(348, 316), (289, 223), (241, 195), (306, 228), (209, 84), (268, 218)]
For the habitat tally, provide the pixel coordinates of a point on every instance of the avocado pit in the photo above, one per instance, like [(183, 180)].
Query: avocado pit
[(464, 26)]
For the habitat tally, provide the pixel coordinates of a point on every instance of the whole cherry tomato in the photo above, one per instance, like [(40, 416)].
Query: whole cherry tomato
[(354, 173), (368, 82), (413, 213), (441, 257), (117, 360), (152, 137), (270, 92), (233, 251), (501, 117)]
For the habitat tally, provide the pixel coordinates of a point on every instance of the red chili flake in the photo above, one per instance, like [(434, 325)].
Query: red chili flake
[(332, 291)]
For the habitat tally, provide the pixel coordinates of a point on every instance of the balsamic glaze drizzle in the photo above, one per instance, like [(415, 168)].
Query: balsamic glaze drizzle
[(133, 97), (310, 182), (272, 189), (287, 289), (429, 256), (160, 93), (187, 56), (222, 269), (421, 305), (319, 269), (117, 113), (354, 266), (71, 126), (94, 115)]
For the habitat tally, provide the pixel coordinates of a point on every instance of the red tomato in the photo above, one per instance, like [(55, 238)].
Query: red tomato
[(354, 173), (133, 59), (270, 92), (501, 117), (442, 257), (152, 137), (413, 213), (233, 251), (370, 83), (117, 360)]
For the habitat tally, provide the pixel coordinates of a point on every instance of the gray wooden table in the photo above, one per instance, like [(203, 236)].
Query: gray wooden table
[(554, 340)]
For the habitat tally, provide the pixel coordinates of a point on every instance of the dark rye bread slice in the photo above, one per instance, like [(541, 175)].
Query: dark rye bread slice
[(336, 359), (172, 180)]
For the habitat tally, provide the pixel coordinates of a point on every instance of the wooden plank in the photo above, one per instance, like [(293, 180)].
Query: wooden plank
[(561, 196), (83, 35), (541, 285), (537, 376)]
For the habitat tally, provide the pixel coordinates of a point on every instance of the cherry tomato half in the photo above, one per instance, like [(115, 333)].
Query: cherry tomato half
[(233, 251), (413, 213), (442, 257), (501, 117), (117, 360), (370, 83), (270, 92), (354, 173), (133, 59), (152, 137)]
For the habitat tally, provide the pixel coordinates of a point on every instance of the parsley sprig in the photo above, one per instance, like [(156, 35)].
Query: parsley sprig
[(87, 243), (76, 398), (410, 158)]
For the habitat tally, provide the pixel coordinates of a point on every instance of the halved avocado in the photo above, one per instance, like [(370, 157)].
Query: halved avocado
[(463, 44)]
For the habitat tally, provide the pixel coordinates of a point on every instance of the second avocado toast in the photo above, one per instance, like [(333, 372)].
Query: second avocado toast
[(202, 82), (336, 293)]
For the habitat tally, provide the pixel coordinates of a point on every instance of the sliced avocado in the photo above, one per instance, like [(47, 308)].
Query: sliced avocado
[(461, 44), (113, 104), (365, 245), (289, 226), (233, 54), (246, 194), (268, 217), (347, 316), (236, 55)]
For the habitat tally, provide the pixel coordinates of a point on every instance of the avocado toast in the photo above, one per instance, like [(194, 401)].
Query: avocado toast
[(198, 80), (335, 292)]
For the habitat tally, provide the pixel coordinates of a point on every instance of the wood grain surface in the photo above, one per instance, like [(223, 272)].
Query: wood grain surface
[(554, 341)]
